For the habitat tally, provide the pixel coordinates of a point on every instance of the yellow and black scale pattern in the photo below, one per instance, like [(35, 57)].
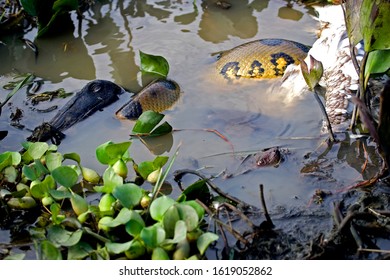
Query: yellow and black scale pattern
[(264, 58), (157, 96)]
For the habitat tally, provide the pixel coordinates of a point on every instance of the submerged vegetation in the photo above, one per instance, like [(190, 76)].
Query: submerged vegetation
[(75, 213)]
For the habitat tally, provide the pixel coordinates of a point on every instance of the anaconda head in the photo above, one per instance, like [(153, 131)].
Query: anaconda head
[(92, 97)]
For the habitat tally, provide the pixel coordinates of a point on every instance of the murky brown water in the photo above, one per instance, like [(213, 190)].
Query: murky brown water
[(252, 115)]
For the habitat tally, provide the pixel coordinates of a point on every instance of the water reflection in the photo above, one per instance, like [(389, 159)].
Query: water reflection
[(288, 12), (141, 8), (110, 39), (361, 155), (218, 24), (67, 56)]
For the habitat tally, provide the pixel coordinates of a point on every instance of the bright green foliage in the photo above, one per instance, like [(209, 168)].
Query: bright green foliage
[(369, 20), (119, 225), (313, 73), (148, 125), (154, 64), (375, 24)]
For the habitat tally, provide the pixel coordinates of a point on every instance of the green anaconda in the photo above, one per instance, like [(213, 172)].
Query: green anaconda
[(264, 58), (157, 96)]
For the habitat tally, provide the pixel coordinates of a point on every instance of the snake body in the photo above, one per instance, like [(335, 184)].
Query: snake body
[(157, 96), (264, 58)]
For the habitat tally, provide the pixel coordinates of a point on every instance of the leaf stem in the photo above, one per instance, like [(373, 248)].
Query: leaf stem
[(326, 118)]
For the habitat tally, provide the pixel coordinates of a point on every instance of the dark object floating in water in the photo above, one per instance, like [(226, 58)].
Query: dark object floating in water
[(93, 97), (158, 96)]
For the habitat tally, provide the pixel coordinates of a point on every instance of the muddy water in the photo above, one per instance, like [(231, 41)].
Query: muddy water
[(251, 115)]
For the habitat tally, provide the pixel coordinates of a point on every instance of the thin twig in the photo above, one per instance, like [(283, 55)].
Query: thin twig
[(374, 250), (361, 90), (179, 173), (323, 110), (267, 216), (230, 229), (240, 213), (348, 219)]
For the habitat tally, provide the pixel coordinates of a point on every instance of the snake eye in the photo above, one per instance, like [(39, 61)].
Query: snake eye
[(95, 87)]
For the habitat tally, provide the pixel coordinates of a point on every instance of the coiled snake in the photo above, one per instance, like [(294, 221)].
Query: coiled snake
[(264, 58)]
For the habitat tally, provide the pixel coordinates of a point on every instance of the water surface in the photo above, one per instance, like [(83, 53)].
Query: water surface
[(252, 115)]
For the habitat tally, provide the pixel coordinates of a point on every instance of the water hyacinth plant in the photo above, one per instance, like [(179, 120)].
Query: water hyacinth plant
[(124, 221)]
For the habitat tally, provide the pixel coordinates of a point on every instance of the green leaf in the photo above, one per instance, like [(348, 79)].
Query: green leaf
[(375, 24), (159, 206), (15, 156), (180, 212), (5, 160), (313, 73), (79, 204), (109, 152), (44, 27), (129, 195), (199, 209), (136, 250), (90, 175), (73, 156), (31, 6), (59, 195), (160, 161), (352, 17), (35, 151), (147, 167), (153, 235), (159, 254), (162, 129), (40, 168), (53, 160), (101, 153), (170, 219), (106, 204), (117, 248), (111, 180), (205, 240), (79, 251), (378, 62), (135, 225), (154, 64), (55, 210), (49, 251), (65, 5), (198, 190), (23, 203), (65, 176), (147, 122), (30, 172), (122, 218), (62, 237), (15, 256), (42, 189), (180, 231), (116, 151)]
